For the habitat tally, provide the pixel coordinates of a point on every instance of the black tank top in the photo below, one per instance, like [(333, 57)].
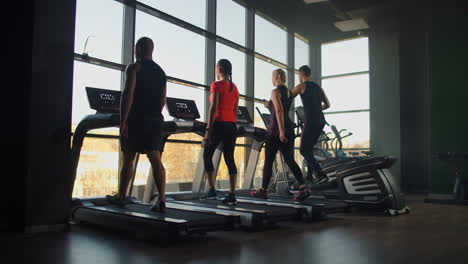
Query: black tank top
[(149, 89), (286, 101), (312, 102)]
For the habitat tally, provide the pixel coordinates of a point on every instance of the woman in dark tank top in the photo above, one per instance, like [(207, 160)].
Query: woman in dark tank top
[(280, 137), (286, 101)]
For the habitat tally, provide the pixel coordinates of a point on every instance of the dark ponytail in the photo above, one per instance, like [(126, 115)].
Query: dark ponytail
[(225, 67)]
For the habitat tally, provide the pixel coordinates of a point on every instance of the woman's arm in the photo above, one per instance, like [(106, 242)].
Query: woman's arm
[(275, 98), (214, 98), (325, 102), (236, 107)]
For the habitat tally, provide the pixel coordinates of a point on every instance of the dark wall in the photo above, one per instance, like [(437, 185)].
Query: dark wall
[(50, 114), (384, 94), (417, 71), (15, 109), (40, 113), (415, 102), (449, 94)]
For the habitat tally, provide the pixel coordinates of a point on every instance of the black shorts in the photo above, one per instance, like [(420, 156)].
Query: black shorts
[(144, 135)]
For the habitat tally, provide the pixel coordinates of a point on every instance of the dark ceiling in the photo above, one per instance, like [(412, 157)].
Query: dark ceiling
[(315, 21)]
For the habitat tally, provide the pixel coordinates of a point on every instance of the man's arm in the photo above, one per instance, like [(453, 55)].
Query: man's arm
[(325, 102), (298, 89), (127, 95), (163, 99)]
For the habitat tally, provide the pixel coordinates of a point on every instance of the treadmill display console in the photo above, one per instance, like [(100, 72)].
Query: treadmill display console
[(104, 101), (182, 109), (243, 115)]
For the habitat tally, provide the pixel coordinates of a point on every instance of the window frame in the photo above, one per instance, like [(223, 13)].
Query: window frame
[(128, 35), (347, 74)]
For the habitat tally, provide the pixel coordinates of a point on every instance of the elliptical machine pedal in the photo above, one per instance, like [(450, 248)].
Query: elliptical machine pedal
[(393, 212)]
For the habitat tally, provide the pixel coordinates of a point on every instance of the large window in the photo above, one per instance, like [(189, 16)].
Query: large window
[(355, 123), (237, 59), (101, 36), (348, 93), (181, 53), (270, 40), (191, 11), (345, 57), (345, 79), (230, 21), (88, 75), (263, 86), (301, 53), (97, 172), (263, 79)]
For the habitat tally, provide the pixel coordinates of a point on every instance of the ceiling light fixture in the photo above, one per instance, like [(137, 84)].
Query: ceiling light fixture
[(314, 1), (351, 25)]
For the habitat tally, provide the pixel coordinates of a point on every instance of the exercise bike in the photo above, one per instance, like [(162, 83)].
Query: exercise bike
[(459, 194)]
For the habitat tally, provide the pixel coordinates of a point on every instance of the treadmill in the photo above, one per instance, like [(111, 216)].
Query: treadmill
[(253, 216), (177, 220), (316, 209), (363, 183)]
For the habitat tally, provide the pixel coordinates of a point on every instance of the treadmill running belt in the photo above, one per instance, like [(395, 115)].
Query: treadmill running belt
[(275, 211), (192, 218), (328, 206)]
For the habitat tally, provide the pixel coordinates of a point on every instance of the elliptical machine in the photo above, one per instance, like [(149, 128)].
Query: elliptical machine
[(362, 183), (324, 148)]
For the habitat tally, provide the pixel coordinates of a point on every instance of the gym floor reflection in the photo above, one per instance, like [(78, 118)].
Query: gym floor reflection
[(430, 234)]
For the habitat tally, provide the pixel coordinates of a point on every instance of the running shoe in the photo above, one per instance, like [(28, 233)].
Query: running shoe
[(259, 193), (230, 199), (114, 200), (302, 194), (211, 193), (158, 206)]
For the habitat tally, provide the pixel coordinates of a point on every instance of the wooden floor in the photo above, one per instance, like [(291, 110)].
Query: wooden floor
[(430, 234)]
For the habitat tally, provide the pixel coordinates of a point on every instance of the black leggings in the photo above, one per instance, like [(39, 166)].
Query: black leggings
[(309, 137), (223, 132), (273, 144)]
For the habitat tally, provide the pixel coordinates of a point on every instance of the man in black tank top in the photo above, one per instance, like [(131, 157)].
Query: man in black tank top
[(314, 102), (141, 127)]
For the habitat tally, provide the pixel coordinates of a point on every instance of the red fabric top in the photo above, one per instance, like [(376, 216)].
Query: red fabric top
[(226, 101)]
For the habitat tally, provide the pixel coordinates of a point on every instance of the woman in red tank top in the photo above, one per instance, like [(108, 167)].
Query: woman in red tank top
[(221, 127)]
